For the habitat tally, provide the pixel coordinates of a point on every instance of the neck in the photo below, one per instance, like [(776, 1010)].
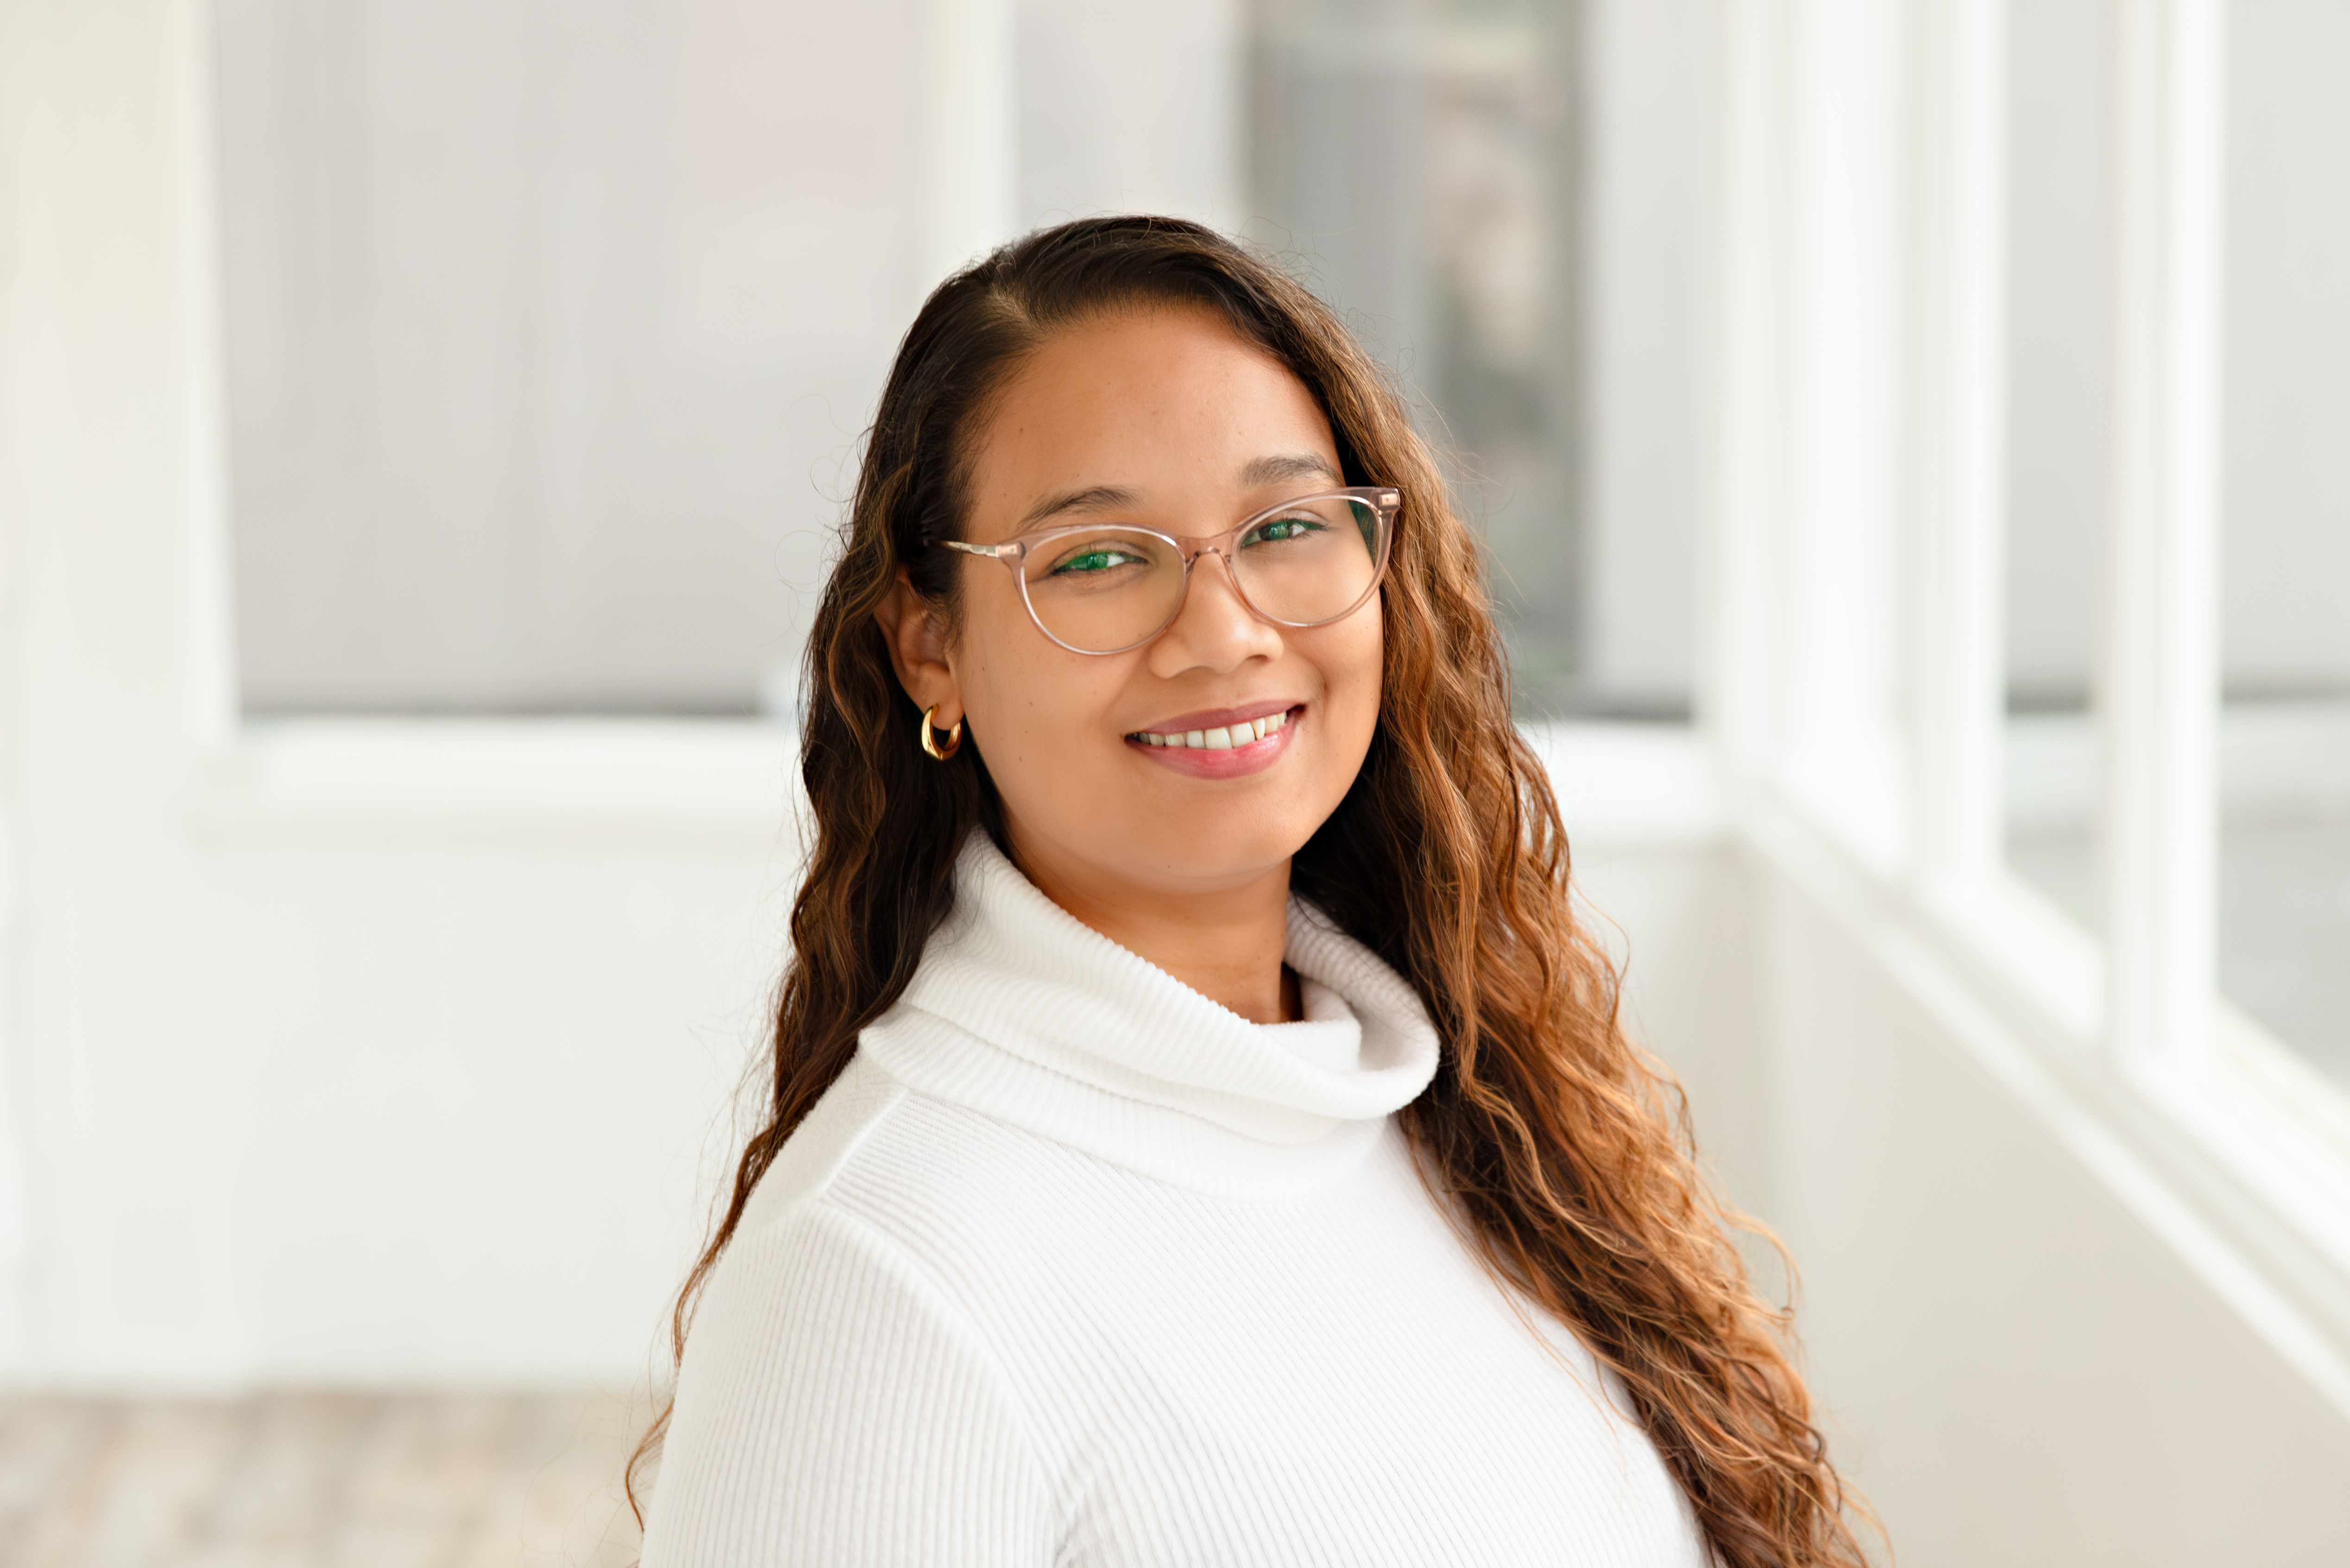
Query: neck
[(1225, 942)]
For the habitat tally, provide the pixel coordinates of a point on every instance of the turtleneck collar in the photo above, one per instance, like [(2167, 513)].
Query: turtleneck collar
[(1021, 1012)]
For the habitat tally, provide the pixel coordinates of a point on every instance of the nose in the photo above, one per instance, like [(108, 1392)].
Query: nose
[(1214, 629)]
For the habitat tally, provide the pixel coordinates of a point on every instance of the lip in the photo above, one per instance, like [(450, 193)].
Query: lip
[(1215, 717), (1238, 763)]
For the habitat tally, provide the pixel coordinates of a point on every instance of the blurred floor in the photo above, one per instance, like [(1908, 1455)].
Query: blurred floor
[(317, 1480)]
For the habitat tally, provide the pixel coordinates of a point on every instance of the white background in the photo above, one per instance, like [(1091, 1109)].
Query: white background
[(394, 1052)]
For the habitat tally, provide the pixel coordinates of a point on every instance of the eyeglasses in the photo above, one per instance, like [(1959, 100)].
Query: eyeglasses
[(1109, 587)]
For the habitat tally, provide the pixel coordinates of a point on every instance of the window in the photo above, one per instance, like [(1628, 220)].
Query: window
[(2282, 739), (2284, 733), (2080, 276), (2283, 744), (549, 333), (1506, 198), (2058, 172)]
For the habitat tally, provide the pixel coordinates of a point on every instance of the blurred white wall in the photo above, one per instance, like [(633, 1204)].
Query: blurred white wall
[(2287, 538), (1652, 79), (549, 332), (1130, 109), (2288, 399), (2025, 1344), (359, 1062), (2058, 309)]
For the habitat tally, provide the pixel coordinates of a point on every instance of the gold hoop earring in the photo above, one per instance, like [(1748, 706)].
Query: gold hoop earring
[(954, 736)]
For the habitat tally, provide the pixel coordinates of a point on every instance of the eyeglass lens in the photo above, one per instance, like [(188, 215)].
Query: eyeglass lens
[(1107, 588)]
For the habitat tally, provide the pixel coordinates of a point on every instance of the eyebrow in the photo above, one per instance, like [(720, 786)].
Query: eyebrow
[(1288, 465), (1093, 498), (1259, 472)]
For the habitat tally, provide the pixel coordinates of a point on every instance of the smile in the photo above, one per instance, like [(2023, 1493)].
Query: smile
[(1221, 738)]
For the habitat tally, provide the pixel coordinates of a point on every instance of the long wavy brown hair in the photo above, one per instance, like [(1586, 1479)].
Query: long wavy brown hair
[(1563, 1148)]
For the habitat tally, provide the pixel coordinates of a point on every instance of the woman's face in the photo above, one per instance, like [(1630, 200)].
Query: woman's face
[(1162, 418)]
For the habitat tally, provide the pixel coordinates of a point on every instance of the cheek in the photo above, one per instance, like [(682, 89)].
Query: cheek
[(1354, 667), (992, 658), (1030, 703)]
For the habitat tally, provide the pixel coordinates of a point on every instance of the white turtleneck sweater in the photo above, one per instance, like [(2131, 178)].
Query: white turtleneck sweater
[(1074, 1266)]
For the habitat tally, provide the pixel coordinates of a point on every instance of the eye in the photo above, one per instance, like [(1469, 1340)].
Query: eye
[(1280, 529), (1096, 558)]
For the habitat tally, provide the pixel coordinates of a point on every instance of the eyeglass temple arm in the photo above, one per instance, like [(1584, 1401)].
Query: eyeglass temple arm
[(1005, 551)]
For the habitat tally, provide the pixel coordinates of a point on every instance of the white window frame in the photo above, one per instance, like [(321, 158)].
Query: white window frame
[(1891, 809), (653, 780), (127, 742)]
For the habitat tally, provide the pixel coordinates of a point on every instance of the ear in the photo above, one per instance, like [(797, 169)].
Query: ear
[(915, 630)]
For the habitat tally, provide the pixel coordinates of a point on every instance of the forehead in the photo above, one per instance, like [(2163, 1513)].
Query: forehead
[(1140, 397)]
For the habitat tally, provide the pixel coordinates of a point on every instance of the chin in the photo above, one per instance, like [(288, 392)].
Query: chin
[(1207, 857)]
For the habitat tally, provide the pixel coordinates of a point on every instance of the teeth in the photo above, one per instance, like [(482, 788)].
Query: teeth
[(1218, 740)]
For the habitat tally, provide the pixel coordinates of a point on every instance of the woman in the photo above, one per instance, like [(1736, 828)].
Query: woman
[(1201, 1129)]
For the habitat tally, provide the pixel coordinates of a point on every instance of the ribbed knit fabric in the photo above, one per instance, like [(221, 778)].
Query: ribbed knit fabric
[(1073, 1266)]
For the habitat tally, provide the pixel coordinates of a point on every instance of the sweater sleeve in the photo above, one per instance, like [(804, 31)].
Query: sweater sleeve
[(832, 1409)]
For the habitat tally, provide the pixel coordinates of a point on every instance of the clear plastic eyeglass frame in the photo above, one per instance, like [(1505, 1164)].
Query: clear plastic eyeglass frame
[(1383, 502)]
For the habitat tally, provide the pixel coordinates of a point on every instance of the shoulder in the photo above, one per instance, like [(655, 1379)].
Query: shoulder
[(885, 1206), (897, 1225), (859, 1101), (909, 1166), (814, 1257), (832, 1395)]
